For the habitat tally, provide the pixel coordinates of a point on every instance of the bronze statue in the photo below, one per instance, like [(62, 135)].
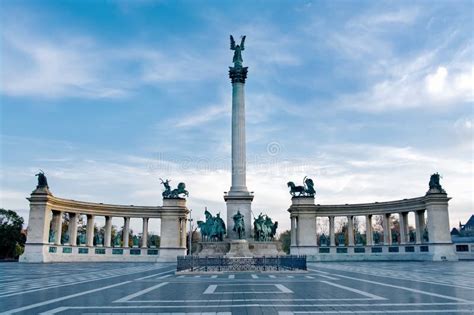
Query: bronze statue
[(264, 228), (213, 229), (434, 183), (237, 60), (239, 224), (306, 190), (42, 181), (175, 193)]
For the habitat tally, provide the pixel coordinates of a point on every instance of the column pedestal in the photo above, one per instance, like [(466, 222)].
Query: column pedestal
[(174, 212), (303, 210)]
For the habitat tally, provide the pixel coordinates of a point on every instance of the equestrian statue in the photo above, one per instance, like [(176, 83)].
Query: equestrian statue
[(213, 229), (264, 228)]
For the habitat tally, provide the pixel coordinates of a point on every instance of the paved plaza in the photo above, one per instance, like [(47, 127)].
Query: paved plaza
[(327, 288)]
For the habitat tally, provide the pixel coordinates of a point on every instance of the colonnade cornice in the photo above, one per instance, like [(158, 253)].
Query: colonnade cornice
[(101, 209), (375, 208)]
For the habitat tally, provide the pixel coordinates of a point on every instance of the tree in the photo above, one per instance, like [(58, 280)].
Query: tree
[(11, 237), (285, 239)]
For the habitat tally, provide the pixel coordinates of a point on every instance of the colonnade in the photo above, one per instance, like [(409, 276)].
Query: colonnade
[(420, 227), (434, 205), (57, 218), (46, 212)]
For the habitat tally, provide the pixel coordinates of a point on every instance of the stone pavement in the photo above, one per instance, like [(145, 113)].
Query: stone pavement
[(327, 288)]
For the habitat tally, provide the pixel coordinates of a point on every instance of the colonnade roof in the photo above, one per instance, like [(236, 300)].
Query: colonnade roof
[(98, 209), (375, 208)]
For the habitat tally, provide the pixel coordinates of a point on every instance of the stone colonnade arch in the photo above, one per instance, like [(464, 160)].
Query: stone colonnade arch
[(45, 208), (303, 213)]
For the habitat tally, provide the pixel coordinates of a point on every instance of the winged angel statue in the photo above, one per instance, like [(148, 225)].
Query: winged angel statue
[(237, 60)]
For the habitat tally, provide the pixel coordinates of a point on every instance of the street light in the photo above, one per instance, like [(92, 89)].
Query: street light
[(190, 232)]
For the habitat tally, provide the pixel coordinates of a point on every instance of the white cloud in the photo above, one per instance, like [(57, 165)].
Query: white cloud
[(343, 173)]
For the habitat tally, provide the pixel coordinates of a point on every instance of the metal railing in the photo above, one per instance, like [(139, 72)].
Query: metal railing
[(221, 264)]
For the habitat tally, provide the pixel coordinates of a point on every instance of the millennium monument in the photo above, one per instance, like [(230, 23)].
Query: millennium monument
[(238, 239), (238, 199)]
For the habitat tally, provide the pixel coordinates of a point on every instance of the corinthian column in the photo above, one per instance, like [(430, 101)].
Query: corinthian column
[(238, 199)]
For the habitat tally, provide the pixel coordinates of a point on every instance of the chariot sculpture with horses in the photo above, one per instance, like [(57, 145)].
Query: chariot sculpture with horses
[(169, 193), (306, 190)]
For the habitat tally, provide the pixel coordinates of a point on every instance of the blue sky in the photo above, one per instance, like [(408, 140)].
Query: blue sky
[(367, 97)]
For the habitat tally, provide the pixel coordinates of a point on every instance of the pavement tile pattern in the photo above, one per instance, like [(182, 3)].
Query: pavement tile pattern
[(327, 288)]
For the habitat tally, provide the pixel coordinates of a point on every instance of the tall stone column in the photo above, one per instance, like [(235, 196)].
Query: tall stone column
[(332, 235), (387, 232), (90, 230), (238, 198), (108, 231), (403, 221), (57, 227), (293, 232), (350, 230), (145, 233), (72, 229), (368, 230), (126, 231), (419, 225)]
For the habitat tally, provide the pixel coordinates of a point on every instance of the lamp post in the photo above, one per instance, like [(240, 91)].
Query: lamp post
[(190, 232)]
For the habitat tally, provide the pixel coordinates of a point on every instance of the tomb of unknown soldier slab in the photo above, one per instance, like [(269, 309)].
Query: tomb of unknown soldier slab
[(241, 237)]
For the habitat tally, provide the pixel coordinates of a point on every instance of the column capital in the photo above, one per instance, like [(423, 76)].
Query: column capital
[(238, 74)]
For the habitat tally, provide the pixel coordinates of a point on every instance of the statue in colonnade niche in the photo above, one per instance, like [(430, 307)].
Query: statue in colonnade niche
[(213, 229), (52, 236), (341, 239), (412, 236), (135, 241), (306, 190), (117, 240), (154, 241), (323, 240), (99, 239), (376, 237), (82, 238), (359, 239), (169, 193), (239, 224), (65, 238), (264, 228)]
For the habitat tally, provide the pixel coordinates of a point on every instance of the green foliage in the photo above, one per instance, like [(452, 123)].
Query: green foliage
[(10, 234), (285, 239)]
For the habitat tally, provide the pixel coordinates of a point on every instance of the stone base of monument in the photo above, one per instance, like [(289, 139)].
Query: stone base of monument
[(239, 248), (213, 249)]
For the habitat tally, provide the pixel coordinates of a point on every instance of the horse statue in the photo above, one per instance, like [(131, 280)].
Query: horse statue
[(168, 193), (42, 180), (306, 190), (213, 229), (434, 183), (181, 190), (239, 224), (264, 228)]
